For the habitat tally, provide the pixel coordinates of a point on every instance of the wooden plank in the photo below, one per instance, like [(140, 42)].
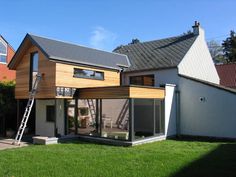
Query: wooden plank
[(141, 92), (121, 92), (104, 92)]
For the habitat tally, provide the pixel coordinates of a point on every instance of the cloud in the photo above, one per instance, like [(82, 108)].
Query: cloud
[(102, 38)]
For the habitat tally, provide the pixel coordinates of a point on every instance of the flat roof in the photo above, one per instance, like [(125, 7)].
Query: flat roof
[(120, 92)]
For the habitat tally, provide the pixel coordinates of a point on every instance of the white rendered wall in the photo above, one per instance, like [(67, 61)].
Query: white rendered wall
[(163, 76), (42, 127), (60, 116), (197, 62), (215, 116), (170, 110)]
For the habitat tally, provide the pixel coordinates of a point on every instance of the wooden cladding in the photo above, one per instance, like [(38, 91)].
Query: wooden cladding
[(46, 88), (121, 92), (65, 72), (55, 75)]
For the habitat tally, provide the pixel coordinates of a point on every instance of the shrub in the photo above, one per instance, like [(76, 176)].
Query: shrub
[(7, 106)]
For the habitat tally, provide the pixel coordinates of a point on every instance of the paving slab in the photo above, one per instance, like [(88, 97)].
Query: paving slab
[(7, 144)]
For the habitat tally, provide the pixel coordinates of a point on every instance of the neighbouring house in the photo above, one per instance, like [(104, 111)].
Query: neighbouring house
[(227, 74), (6, 54), (141, 92)]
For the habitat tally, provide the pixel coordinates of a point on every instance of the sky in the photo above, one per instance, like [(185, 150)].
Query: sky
[(106, 24)]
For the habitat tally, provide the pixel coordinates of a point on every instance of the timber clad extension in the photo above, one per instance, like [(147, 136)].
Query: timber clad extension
[(47, 84), (57, 72)]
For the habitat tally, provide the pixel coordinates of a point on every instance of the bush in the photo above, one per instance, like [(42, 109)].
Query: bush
[(7, 106)]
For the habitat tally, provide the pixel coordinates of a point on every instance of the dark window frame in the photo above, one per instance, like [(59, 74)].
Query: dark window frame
[(52, 112), (88, 77), (141, 77), (31, 69)]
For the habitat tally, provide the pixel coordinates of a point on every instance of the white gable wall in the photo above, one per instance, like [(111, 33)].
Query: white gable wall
[(197, 62)]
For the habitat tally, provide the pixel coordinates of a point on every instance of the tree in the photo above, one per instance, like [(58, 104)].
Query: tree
[(216, 51), (229, 47)]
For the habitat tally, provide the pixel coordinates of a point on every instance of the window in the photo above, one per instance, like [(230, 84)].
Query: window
[(34, 59), (147, 80), (3, 52), (90, 74), (50, 113)]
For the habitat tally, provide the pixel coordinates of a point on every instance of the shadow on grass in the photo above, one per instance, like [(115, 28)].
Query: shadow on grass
[(86, 142), (220, 162)]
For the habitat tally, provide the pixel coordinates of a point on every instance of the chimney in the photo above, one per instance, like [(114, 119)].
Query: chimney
[(196, 28)]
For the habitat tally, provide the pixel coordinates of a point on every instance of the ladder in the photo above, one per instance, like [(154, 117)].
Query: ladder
[(122, 118), (92, 109), (28, 108)]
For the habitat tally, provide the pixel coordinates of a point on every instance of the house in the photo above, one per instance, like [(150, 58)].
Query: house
[(141, 92), (227, 74), (6, 54), (200, 106)]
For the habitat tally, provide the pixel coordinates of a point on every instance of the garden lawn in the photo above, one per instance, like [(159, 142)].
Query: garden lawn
[(165, 158)]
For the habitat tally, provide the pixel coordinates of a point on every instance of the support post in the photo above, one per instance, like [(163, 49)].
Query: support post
[(76, 115), (131, 119), (100, 115)]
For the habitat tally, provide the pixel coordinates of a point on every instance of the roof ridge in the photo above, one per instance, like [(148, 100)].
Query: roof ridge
[(156, 40)]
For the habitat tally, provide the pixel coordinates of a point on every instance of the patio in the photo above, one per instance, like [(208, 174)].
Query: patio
[(7, 144)]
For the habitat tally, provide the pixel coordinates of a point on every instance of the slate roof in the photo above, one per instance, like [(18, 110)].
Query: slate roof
[(72, 53), (227, 74), (157, 54)]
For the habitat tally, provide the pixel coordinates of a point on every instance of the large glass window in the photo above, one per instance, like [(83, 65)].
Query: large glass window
[(146, 80), (3, 52), (159, 117), (34, 59), (115, 119), (143, 118), (90, 74), (148, 118)]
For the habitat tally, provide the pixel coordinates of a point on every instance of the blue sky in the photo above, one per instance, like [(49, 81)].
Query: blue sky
[(105, 24)]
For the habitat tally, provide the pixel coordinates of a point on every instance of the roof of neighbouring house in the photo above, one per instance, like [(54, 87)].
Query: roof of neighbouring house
[(157, 54), (73, 53), (227, 74)]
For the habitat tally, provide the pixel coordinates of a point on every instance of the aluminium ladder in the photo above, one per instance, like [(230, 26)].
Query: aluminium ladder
[(92, 109), (28, 108)]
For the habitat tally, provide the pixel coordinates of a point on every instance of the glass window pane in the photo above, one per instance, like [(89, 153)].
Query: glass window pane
[(146, 80), (35, 58), (3, 58), (143, 118), (83, 73), (115, 119), (50, 113), (3, 48), (159, 117), (88, 121)]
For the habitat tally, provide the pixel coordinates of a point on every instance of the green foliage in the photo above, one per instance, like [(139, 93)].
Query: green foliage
[(229, 47), (216, 51), (8, 103), (160, 159)]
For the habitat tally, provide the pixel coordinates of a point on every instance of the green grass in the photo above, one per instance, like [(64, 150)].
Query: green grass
[(165, 158)]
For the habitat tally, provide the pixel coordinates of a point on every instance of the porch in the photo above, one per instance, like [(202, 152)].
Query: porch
[(118, 115)]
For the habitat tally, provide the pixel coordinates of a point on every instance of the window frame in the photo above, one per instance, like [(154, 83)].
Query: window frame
[(89, 77), (31, 69), (3, 54), (53, 118), (142, 79)]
